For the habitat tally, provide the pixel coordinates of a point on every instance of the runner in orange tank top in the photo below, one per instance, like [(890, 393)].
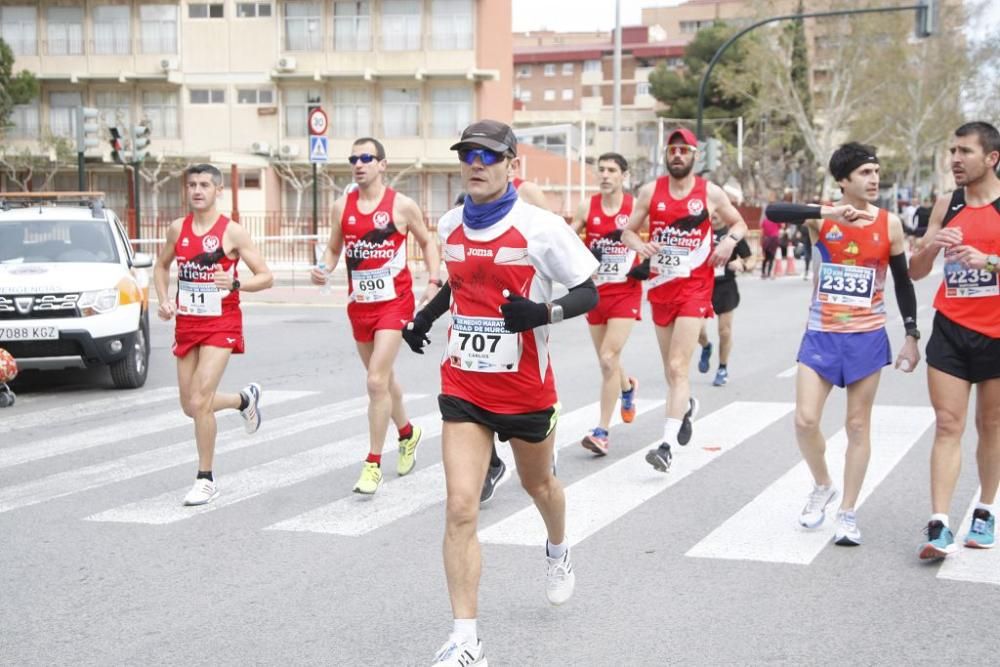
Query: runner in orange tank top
[(845, 342), (207, 247), (370, 226), (964, 347)]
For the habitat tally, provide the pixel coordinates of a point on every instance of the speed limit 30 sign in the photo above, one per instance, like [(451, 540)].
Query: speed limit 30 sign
[(318, 121)]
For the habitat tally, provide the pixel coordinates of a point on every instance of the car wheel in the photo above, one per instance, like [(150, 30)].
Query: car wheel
[(130, 372)]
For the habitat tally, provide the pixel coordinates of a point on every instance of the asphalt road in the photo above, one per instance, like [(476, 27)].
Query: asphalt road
[(99, 564)]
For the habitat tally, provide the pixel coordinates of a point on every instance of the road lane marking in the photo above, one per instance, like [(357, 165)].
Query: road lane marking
[(789, 372), (121, 400), (599, 499), (766, 529)]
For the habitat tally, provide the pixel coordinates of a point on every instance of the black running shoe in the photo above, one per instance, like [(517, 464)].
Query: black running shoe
[(660, 457), (495, 476), (684, 435)]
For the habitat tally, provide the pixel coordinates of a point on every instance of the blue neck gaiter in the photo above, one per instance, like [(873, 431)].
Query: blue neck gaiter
[(481, 216)]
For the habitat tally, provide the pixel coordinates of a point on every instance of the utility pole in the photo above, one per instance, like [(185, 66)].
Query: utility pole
[(87, 126)]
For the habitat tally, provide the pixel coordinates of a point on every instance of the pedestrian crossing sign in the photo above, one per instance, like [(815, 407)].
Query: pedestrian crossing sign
[(319, 149)]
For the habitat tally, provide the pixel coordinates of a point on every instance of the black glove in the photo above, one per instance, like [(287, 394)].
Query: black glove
[(640, 271), (415, 333), (520, 314)]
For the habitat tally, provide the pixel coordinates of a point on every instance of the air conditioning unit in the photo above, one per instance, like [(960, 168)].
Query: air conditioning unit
[(168, 64), (286, 64), (289, 150), (260, 148)]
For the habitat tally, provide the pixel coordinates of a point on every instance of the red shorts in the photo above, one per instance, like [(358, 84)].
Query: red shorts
[(367, 319), (185, 341), (620, 305), (664, 314)]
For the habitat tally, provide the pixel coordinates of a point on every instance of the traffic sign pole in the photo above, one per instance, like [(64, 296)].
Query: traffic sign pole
[(318, 152)]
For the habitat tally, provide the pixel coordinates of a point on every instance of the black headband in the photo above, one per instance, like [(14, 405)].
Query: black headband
[(856, 161)]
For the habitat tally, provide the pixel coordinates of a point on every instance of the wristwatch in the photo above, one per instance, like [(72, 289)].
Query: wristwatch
[(555, 313), (913, 333), (236, 286), (435, 281), (992, 263)]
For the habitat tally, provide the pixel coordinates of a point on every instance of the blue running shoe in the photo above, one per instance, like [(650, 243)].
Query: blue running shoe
[(706, 358), (721, 378), (940, 542), (981, 533)]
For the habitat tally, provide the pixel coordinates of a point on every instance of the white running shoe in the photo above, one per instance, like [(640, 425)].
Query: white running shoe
[(848, 534), (814, 513), (560, 579), (203, 492), (459, 652), (251, 414)]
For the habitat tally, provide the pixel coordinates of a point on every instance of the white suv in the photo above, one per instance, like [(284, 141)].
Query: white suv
[(72, 292)]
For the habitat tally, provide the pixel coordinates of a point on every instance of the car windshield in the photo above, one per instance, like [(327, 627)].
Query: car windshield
[(46, 241)]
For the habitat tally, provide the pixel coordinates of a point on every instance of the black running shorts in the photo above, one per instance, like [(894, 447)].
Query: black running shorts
[(725, 296), (962, 352), (528, 426)]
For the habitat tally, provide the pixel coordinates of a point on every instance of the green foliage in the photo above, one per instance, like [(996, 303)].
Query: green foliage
[(14, 89)]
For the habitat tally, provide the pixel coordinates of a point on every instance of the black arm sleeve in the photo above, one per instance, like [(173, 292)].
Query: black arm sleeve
[(742, 249), (906, 297), (580, 299), (439, 305), (793, 213)]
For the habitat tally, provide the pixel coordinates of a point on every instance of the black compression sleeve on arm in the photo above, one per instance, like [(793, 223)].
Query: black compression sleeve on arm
[(906, 297), (580, 299), (793, 213), (439, 305)]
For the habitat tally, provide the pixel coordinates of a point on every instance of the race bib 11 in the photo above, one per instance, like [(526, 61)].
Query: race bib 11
[(198, 299)]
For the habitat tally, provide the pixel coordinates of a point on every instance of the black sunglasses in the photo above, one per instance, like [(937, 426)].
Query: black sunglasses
[(364, 157)]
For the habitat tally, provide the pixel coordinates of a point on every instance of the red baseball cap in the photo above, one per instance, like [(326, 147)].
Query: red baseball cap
[(685, 134)]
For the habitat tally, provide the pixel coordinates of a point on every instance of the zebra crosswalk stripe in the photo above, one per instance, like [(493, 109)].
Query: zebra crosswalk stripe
[(976, 565), (83, 408)]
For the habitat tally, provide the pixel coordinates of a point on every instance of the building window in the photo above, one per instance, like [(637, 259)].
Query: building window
[(18, 27), (445, 189), (158, 26), (524, 72), (65, 31), (550, 69), (451, 111), (62, 109), (262, 96), (159, 110), (205, 10), (115, 107), (567, 68), (525, 95), (400, 112), (298, 103), (352, 26), (352, 112), (549, 95), (401, 25), (303, 26), (451, 24), (249, 10), (248, 180), (567, 94), (24, 121), (675, 62), (591, 66), (695, 26), (207, 95), (642, 88), (112, 30)]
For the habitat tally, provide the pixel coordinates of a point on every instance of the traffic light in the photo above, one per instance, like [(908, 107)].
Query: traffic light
[(140, 142), (116, 145), (88, 124), (927, 17)]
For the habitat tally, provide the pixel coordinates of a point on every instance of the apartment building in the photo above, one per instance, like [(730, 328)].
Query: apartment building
[(232, 82)]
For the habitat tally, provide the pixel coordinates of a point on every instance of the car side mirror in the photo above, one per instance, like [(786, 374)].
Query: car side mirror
[(142, 260)]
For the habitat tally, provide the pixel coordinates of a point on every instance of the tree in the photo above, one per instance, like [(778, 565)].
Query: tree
[(22, 165), (14, 89), (163, 170), (296, 174)]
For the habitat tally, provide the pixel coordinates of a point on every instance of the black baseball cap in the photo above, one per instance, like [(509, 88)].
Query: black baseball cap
[(490, 134)]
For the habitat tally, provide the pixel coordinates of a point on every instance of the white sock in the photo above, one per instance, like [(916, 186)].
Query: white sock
[(670, 430), (943, 518), (989, 508), (465, 628), (555, 550)]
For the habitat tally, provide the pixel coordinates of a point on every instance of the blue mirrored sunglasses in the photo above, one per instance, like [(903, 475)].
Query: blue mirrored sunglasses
[(364, 157), (485, 155)]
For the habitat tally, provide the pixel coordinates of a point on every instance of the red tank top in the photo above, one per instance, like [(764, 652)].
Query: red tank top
[(971, 297), (375, 252), (604, 233), (682, 269), (201, 306), (850, 282)]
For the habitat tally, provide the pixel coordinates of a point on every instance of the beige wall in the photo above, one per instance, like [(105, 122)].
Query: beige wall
[(494, 50)]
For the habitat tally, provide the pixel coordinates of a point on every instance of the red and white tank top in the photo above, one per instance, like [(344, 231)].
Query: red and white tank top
[(375, 252), (525, 253), (604, 234), (200, 304), (850, 282), (682, 227), (971, 297)]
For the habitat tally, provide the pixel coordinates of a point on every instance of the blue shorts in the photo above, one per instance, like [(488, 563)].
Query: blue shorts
[(844, 358)]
